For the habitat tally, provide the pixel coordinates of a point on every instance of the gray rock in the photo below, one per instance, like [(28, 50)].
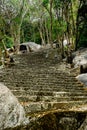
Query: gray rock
[(80, 58), (82, 78), (33, 46), (85, 56), (11, 112)]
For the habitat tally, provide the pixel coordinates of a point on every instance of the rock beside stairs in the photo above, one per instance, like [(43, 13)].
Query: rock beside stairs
[(82, 78), (11, 112)]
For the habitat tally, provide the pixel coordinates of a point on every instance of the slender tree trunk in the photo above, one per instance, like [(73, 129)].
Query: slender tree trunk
[(77, 26), (73, 28), (42, 38), (41, 31), (67, 21), (17, 40), (15, 32), (51, 21), (47, 33)]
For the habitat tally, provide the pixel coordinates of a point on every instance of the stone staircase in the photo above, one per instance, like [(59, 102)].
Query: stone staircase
[(40, 85)]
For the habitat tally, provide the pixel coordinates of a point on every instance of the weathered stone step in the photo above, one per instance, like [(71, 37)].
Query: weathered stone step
[(32, 107), (44, 93), (45, 88), (24, 86), (41, 73), (27, 98), (48, 90), (62, 96), (43, 83), (40, 88)]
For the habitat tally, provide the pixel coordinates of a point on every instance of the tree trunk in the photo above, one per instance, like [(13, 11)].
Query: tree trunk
[(51, 21), (47, 33), (77, 31), (41, 31), (41, 35), (15, 32)]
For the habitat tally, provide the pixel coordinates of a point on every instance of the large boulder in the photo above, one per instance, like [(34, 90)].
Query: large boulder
[(11, 112), (82, 78), (29, 46), (80, 58)]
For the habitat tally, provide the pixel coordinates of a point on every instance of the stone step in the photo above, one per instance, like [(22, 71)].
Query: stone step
[(28, 90), (31, 107), (54, 72), (43, 83), (53, 93), (40, 71), (40, 81), (45, 88), (35, 98), (61, 97)]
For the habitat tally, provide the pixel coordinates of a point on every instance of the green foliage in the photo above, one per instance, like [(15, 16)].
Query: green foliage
[(82, 25), (58, 30), (83, 37), (57, 4), (29, 32), (17, 17), (1, 45), (2, 26), (45, 2), (8, 41)]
